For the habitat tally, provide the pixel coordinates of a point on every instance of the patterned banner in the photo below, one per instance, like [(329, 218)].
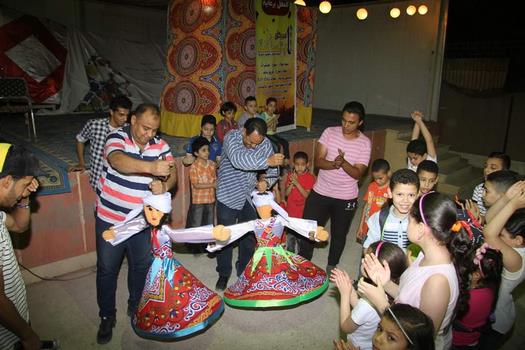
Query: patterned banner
[(212, 58), (275, 41)]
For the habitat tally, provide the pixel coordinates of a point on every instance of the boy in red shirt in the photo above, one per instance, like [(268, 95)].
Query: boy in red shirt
[(228, 110), (375, 196), (298, 185)]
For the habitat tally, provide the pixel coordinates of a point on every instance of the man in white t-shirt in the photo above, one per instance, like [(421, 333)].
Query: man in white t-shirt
[(342, 155), (420, 150), (17, 181)]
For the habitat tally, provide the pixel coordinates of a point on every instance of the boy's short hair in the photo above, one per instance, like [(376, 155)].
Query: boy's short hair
[(503, 179), (380, 165), (198, 143), (428, 166), (270, 99), (208, 119), (17, 162), (405, 177), (120, 101), (300, 155), (356, 108), (505, 159), (417, 146), (228, 106), (249, 99)]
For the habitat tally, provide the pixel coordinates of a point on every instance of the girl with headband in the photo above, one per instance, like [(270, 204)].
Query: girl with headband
[(402, 327), (431, 283), (473, 316), (357, 316)]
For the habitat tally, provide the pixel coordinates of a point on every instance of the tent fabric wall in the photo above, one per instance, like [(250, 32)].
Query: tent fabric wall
[(28, 49), (211, 59), (306, 46), (93, 66)]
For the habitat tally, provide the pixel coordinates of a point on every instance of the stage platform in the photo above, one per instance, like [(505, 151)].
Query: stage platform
[(61, 238)]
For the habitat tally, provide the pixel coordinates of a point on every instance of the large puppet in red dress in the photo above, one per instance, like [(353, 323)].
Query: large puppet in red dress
[(274, 276), (174, 302)]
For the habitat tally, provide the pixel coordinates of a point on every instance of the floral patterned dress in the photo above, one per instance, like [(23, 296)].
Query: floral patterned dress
[(274, 276)]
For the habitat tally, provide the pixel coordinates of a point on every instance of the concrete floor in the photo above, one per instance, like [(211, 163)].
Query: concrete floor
[(67, 311)]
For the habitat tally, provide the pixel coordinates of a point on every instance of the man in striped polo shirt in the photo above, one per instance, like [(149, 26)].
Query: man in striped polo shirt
[(342, 155), (137, 162), (17, 181), (245, 152)]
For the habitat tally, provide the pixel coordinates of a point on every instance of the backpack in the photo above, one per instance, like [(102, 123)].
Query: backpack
[(383, 215)]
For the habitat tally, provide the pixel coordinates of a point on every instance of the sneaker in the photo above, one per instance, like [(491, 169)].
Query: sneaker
[(105, 330), (222, 283), (329, 269)]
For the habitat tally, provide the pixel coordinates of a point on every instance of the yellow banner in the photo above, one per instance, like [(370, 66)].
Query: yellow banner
[(275, 35)]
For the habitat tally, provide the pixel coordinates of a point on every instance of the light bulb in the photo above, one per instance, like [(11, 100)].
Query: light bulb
[(362, 14), (395, 12), (411, 10), (422, 10), (299, 2), (325, 7)]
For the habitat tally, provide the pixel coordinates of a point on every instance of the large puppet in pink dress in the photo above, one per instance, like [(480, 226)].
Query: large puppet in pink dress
[(274, 276), (174, 302)]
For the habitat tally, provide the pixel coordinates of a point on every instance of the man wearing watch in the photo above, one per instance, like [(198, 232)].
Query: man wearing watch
[(18, 169)]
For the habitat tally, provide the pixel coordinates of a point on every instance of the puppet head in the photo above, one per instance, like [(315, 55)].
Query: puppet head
[(264, 203), (156, 206)]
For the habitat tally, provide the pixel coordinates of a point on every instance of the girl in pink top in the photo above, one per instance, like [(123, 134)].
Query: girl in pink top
[(431, 282), (472, 317)]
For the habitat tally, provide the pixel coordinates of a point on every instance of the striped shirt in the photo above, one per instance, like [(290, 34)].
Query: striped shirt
[(14, 287), (394, 231), (477, 196), (119, 193), (238, 170), (336, 183)]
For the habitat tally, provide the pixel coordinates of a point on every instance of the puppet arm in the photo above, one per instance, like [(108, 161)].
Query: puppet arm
[(306, 228), (236, 232), (121, 232)]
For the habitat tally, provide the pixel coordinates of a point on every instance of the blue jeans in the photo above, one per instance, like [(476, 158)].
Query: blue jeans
[(201, 214), (109, 259), (227, 216)]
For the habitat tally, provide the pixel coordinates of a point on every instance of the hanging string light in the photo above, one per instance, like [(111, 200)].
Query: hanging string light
[(411, 10), (299, 2), (395, 12), (422, 10), (362, 14), (325, 7)]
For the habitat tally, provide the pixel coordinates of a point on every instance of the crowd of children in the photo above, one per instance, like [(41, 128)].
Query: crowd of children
[(464, 257)]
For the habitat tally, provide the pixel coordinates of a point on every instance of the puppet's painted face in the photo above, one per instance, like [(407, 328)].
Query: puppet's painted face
[(262, 186), (264, 211), (153, 216)]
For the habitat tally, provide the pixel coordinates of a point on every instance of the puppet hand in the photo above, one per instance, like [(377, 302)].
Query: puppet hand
[(321, 234), (221, 233), (108, 234)]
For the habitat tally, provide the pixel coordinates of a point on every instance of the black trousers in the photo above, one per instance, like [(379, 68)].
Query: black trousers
[(340, 212)]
